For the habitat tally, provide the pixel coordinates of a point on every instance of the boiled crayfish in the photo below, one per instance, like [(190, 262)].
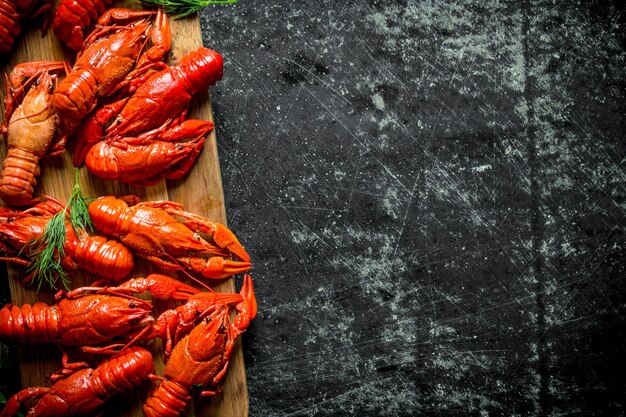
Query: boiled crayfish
[(88, 317), (79, 390), (31, 130), (111, 53), (20, 232), (201, 358), (173, 324), (12, 12), (152, 231), (144, 137)]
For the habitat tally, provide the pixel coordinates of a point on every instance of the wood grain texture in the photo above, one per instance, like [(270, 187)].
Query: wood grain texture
[(200, 192)]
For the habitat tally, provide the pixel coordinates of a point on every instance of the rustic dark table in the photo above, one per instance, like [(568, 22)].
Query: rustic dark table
[(434, 197)]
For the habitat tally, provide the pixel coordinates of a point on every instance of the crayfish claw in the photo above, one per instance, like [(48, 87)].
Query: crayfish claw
[(222, 236), (246, 309), (236, 267), (215, 267)]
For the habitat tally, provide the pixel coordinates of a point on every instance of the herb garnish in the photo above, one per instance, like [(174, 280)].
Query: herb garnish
[(45, 264), (182, 8)]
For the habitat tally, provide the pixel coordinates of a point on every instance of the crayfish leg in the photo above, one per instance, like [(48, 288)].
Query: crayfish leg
[(165, 205), (160, 287), (92, 129), (14, 259), (68, 368), (208, 393), (13, 405), (57, 148)]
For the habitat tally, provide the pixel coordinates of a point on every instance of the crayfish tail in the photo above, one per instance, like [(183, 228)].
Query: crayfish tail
[(19, 177), (169, 399), (37, 323), (10, 25), (122, 372), (107, 258)]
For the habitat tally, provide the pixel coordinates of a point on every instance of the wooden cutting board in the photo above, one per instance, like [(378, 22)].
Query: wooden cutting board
[(200, 192)]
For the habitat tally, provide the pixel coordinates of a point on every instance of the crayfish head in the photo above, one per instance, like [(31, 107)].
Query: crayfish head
[(38, 99), (129, 43), (132, 315), (32, 126), (210, 338), (93, 319)]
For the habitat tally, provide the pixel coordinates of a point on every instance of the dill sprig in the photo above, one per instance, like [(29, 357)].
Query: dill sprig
[(78, 206), (50, 249), (182, 8), (45, 264)]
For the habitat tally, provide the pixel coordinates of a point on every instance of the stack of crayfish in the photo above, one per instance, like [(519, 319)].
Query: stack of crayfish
[(107, 318), (150, 230), (125, 111), (122, 104), (199, 338)]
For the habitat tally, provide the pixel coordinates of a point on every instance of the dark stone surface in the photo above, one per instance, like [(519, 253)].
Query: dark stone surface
[(434, 197)]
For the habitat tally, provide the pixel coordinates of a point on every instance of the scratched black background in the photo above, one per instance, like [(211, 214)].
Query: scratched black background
[(434, 197)]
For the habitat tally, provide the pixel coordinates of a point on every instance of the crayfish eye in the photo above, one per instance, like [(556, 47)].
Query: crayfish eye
[(196, 388)]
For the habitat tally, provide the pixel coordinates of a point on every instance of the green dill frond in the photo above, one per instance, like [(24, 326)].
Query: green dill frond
[(49, 248), (78, 206), (182, 8)]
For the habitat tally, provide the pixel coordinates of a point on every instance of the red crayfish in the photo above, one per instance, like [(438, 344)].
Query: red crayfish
[(88, 317), (144, 137), (79, 390), (201, 358), (12, 12), (20, 231), (87, 320), (112, 53), (31, 126), (152, 231)]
